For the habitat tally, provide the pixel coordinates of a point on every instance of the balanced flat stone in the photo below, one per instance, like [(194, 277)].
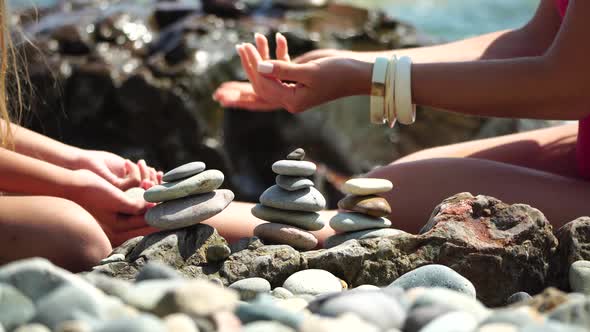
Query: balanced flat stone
[(352, 222), (294, 167), (292, 183), (338, 239), (310, 221), (298, 154), (188, 211), (184, 171), (201, 183), (309, 199), (286, 234), (372, 205), (366, 186)]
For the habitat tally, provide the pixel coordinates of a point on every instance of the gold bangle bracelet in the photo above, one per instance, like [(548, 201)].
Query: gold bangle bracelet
[(378, 90)]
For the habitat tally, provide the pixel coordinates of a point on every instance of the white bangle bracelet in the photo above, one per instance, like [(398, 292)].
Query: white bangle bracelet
[(405, 110), (390, 92), (378, 90)]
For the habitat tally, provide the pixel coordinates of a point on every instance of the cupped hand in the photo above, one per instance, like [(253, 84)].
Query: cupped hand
[(121, 173), (115, 211), (298, 87)]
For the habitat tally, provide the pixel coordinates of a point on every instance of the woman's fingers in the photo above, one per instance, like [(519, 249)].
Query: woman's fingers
[(282, 48), (253, 55), (132, 176), (248, 69), (287, 71), (262, 46), (143, 170)]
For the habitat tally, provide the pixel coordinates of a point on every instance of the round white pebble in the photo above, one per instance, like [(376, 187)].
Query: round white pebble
[(366, 186), (312, 282)]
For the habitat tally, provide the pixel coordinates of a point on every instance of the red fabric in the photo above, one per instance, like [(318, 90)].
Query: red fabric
[(562, 5), (583, 146)]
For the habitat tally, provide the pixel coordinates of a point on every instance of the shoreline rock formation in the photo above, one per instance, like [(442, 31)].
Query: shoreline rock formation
[(502, 249), (475, 255)]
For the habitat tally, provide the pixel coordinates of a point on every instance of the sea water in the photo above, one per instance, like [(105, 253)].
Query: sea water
[(446, 19)]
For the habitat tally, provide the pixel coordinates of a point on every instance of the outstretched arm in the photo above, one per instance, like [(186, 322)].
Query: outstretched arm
[(533, 39), (553, 85), (118, 171)]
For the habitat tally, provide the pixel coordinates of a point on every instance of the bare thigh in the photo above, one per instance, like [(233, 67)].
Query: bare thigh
[(420, 185), (50, 227), (551, 150)]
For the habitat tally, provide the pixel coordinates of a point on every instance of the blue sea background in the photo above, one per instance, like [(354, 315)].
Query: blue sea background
[(445, 19)]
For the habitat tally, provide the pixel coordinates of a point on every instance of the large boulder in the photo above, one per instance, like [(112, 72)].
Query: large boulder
[(185, 250), (502, 249)]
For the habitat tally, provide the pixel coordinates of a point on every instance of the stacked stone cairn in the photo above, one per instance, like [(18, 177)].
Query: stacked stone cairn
[(364, 212), (291, 206), (189, 195)]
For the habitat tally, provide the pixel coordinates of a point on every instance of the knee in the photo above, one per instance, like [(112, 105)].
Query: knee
[(85, 244), (429, 153)]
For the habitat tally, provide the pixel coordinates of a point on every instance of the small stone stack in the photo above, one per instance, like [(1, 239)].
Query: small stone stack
[(291, 205), (367, 210), (189, 196)]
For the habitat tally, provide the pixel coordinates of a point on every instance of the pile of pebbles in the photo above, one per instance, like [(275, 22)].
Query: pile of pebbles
[(364, 213), (37, 296), (189, 195), (291, 206)]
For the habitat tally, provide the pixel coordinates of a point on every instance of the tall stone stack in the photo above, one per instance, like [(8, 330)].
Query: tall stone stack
[(291, 206), (364, 212), (189, 196)]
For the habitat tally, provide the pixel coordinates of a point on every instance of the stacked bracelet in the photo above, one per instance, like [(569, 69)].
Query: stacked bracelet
[(378, 90), (390, 93), (405, 110)]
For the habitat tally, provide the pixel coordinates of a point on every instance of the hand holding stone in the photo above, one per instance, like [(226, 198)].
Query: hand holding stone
[(120, 172), (115, 211)]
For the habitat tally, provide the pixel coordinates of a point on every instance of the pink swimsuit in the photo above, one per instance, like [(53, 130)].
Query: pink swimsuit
[(583, 147)]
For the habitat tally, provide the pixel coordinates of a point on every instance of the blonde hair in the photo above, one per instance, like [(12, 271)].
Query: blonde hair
[(8, 69)]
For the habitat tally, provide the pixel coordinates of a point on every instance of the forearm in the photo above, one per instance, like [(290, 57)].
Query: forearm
[(543, 87), (26, 175), (41, 147), (496, 45)]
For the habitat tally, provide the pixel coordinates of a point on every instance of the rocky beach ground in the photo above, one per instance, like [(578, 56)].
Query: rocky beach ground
[(478, 265)]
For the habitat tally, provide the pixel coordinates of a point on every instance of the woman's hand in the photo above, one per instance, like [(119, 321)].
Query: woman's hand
[(115, 211), (298, 87), (241, 94), (120, 172)]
